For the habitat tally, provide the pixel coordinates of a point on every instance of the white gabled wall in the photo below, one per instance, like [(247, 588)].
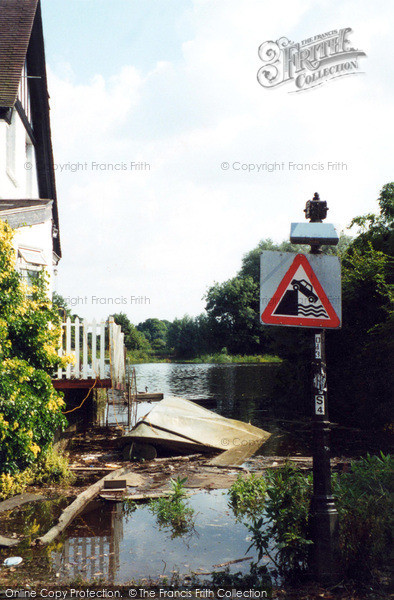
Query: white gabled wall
[(17, 180)]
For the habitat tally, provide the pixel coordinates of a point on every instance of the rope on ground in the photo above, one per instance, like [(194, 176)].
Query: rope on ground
[(87, 395)]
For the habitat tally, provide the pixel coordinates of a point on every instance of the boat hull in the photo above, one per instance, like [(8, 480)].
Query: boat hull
[(183, 426)]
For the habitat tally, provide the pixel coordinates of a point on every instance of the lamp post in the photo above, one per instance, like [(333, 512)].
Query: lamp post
[(323, 513)]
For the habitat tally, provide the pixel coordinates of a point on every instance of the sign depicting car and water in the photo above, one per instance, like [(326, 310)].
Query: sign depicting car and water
[(300, 290)]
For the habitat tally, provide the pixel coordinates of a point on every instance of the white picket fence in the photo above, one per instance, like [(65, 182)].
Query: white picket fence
[(87, 343)]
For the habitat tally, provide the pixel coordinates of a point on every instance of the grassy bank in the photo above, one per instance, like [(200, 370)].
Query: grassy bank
[(217, 358)]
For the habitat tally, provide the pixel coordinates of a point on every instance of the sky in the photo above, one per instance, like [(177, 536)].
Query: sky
[(163, 138)]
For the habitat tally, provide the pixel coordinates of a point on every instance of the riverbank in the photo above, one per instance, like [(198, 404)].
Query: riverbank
[(215, 359), (223, 358)]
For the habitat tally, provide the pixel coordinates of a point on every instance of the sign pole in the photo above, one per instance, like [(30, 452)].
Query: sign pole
[(299, 290), (323, 513)]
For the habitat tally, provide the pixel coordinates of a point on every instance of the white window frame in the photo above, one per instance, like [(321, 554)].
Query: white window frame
[(30, 261), (11, 149), (30, 161)]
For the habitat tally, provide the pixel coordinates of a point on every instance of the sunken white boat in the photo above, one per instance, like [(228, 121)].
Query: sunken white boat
[(180, 425)]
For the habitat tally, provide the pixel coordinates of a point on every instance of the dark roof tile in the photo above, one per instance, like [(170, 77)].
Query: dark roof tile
[(16, 22)]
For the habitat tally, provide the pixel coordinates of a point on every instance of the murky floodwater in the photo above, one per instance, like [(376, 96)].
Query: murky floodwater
[(131, 544), (119, 543)]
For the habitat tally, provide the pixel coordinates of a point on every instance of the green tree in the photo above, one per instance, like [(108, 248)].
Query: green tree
[(359, 378), (133, 339), (189, 337), (232, 309), (60, 302), (377, 229), (155, 332)]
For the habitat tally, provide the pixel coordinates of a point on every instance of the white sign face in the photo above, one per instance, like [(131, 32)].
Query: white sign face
[(300, 290), (319, 404)]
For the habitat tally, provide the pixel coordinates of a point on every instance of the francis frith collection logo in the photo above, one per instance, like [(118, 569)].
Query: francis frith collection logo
[(310, 63)]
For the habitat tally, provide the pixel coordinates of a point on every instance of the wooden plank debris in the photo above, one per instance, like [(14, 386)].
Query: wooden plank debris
[(17, 501), (8, 542), (76, 507), (232, 562), (236, 456), (149, 396), (115, 484)]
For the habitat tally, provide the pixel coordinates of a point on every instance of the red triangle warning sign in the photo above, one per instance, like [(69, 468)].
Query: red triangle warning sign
[(300, 299)]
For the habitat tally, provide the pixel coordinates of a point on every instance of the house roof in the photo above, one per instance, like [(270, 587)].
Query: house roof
[(21, 213), (17, 204), (16, 23)]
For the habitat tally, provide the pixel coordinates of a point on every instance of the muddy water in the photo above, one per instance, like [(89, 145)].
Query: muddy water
[(119, 543), (130, 543)]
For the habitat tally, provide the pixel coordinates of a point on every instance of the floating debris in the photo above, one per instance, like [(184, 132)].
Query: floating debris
[(13, 561)]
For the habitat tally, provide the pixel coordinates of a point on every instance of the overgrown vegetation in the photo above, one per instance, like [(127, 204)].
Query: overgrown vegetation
[(51, 467), (365, 506), (247, 496), (30, 408), (279, 526), (280, 529), (258, 578), (173, 511)]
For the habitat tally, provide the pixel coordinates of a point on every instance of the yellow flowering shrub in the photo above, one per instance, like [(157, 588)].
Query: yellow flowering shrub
[(30, 408), (15, 484)]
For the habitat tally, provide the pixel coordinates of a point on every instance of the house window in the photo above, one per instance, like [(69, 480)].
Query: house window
[(11, 148), (30, 262), (29, 170)]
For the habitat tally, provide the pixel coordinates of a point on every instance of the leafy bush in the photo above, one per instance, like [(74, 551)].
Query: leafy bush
[(10, 485), (247, 496), (279, 527), (280, 531), (173, 511), (365, 506), (30, 408), (53, 468)]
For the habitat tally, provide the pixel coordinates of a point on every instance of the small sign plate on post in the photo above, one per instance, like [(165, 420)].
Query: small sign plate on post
[(318, 345), (319, 404), (300, 290)]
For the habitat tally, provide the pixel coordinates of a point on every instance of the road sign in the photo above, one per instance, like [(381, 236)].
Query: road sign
[(300, 290)]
